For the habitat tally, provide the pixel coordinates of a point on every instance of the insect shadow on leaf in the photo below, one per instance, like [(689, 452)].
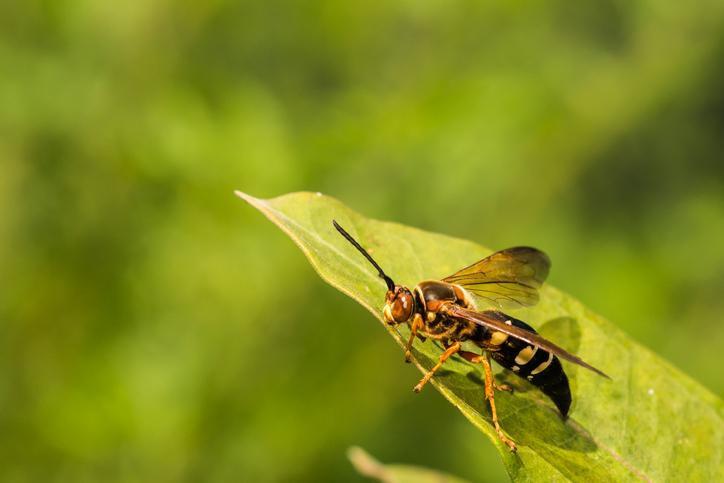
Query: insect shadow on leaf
[(536, 410)]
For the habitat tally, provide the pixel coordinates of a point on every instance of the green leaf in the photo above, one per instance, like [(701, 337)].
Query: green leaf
[(366, 465), (650, 423)]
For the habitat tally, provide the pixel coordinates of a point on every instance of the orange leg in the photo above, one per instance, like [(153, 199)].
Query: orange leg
[(478, 358), (414, 326), (502, 387), (490, 387), (445, 356)]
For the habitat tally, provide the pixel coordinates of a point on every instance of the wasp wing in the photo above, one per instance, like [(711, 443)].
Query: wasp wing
[(495, 320), (509, 278)]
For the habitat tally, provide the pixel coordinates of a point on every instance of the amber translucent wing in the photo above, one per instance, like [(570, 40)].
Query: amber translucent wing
[(509, 278), (496, 320)]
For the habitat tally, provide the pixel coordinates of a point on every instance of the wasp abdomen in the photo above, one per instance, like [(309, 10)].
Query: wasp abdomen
[(540, 368)]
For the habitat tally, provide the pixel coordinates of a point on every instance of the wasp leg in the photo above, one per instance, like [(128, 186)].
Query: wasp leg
[(502, 387), (490, 396), (445, 356), (478, 358), (414, 326), (471, 356), (490, 387)]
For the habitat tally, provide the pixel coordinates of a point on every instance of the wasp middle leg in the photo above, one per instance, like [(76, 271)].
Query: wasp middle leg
[(445, 356)]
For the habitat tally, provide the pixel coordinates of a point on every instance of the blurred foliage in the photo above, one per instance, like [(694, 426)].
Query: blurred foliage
[(153, 328), (366, 465)]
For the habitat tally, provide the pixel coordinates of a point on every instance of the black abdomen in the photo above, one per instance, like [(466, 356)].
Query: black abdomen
[(540, 368)]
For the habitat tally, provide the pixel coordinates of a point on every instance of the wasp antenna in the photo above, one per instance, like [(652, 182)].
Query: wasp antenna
[(383, 276)]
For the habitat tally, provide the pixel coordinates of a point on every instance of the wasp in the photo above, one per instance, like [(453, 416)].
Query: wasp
[(447, 311)]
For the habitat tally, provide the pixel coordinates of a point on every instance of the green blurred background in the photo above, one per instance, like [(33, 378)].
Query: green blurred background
[(153, 327)]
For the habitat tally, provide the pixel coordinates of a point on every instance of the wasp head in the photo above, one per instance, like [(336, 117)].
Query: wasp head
[(399, 305)]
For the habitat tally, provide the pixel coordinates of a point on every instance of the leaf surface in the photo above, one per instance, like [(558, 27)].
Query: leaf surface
[(650, 423)]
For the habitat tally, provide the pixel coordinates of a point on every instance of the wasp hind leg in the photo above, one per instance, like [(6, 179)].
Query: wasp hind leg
[(490, 387), (445, 356), (478, 358), (502, 387)]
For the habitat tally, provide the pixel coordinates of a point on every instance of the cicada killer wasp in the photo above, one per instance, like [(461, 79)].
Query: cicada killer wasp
[(447, 311)]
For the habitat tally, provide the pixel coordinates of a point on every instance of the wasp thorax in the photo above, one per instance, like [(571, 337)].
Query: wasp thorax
[(399, 305)]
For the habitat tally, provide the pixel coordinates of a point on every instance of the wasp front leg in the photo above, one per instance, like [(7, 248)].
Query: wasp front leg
[(490, 387), (415, 325), (445, 356)]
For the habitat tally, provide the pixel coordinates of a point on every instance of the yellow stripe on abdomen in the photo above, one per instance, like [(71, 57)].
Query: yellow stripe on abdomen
[(542, 366), (525, 355), (497, 338)]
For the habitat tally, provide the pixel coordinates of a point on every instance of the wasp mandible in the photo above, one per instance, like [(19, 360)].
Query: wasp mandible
[(446, 310)]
